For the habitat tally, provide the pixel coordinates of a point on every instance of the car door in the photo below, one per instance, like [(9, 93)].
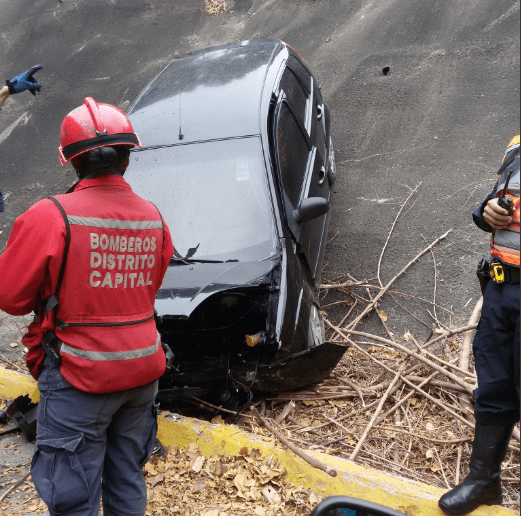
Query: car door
[(314, 232), (300, 152)]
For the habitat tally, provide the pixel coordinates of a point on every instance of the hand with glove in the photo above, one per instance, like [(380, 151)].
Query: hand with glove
[(22, 82), (25, 81)]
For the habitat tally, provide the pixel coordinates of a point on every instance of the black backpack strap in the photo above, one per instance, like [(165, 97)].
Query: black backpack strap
[(66, 251), (52, 349)]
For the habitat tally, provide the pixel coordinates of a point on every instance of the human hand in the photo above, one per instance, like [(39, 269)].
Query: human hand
[(25, 81), (495, 216)]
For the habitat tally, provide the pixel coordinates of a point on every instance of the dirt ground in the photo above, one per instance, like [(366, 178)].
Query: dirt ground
[(440, 118)]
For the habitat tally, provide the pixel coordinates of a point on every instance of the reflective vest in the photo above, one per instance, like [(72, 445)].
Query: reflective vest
[(105, 316), (505, 242)]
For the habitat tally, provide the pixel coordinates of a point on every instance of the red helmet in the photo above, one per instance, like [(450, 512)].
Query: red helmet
[(94, 125)]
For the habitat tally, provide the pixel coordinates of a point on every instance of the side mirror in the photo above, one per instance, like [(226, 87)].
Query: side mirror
[(311, 208), (346, 506)]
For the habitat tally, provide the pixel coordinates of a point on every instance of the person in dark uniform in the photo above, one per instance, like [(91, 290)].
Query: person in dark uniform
[(24, 81), (496, 345)]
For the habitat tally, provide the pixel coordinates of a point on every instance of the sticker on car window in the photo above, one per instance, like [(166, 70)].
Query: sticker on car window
[(243, 174)]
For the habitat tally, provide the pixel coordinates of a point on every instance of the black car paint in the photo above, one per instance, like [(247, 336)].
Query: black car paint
[(272, 297)]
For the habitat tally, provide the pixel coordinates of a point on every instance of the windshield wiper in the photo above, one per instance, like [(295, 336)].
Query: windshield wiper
[(185, 261)]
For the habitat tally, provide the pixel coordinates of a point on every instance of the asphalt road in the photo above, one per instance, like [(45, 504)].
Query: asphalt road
[(440, 118)]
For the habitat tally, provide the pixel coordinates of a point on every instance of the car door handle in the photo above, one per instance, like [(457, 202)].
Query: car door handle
[(321, 176), (320, 111)]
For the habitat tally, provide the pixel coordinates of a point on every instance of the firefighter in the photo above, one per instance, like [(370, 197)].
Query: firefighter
[(495, 346), (22, 82), (89, 263)]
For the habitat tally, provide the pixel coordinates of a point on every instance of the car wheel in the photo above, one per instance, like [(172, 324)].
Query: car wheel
[(317, 333)]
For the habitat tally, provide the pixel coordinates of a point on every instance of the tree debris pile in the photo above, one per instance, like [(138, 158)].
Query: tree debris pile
[(187, 483), (215, 6), (393, 403)]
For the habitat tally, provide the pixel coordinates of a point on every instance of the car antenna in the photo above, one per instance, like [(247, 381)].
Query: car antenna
[(180, 133)]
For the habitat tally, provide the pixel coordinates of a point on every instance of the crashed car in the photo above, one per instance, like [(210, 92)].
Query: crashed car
[(238, 158)]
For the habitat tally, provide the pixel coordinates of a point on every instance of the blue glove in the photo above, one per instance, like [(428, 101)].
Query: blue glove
[(25, 81)]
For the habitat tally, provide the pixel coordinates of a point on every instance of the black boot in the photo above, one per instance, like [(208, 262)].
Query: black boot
[(482, 486)]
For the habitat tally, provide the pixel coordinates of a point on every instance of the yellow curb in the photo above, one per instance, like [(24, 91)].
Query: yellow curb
[(14, 384), (410, 497)]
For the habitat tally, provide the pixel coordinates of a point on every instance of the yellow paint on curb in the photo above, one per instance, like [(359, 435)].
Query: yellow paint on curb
[(410, 497), (14, 384)]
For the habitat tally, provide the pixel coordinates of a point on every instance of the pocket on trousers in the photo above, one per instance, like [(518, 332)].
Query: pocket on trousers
[(151, 434), (57, 472)]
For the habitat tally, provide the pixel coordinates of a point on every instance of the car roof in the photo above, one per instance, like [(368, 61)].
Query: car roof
[(213, 93)]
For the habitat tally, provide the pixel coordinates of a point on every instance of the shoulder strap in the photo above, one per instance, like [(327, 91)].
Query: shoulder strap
[(162, 223), (52, 301)]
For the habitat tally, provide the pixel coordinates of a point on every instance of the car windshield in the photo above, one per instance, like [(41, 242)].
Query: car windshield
[(213, 195)]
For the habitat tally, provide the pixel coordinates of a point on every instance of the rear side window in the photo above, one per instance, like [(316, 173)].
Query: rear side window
[(295, 94), (293, 154), (300, 71)]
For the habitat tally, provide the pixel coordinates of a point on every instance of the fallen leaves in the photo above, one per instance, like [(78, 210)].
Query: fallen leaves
[(215, 6), (187, 483)]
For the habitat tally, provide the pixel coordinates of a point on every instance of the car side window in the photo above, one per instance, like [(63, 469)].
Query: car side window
[(295, 94), (305, 80), (296, 66), (293, 153)]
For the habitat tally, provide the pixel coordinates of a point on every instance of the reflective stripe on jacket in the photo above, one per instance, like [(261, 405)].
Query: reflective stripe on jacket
[(505, 242)]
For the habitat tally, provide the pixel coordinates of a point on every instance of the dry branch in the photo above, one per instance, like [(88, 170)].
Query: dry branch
[(12, 364), (458, 464), (428, 362), (219, 408), (415, 387), (403, 400), (304, 456), (286, 411), (439, 383), (347, 284), (426, 438), (370, 306), (375, 415), (465, 354), (14, 486), (391, 231), (449, 333), (357, 389)]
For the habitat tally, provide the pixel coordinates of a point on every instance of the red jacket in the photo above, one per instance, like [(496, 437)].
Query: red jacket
[(119, 252)]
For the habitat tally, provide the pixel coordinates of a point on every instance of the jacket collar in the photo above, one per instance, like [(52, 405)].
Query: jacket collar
[(106, 180)]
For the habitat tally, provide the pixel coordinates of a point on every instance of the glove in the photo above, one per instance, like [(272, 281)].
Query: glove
[(25, 81)]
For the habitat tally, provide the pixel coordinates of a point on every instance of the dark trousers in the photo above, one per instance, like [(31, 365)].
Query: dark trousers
[(496, 354), (92, 445)]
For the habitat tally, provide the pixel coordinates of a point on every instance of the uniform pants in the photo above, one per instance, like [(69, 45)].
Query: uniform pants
[(496, 355), (92, 445)]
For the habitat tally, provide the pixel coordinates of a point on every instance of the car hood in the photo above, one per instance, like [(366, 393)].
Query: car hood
[(185, 287)]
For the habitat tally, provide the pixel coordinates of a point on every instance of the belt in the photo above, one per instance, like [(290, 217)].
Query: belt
[(501, 273)]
